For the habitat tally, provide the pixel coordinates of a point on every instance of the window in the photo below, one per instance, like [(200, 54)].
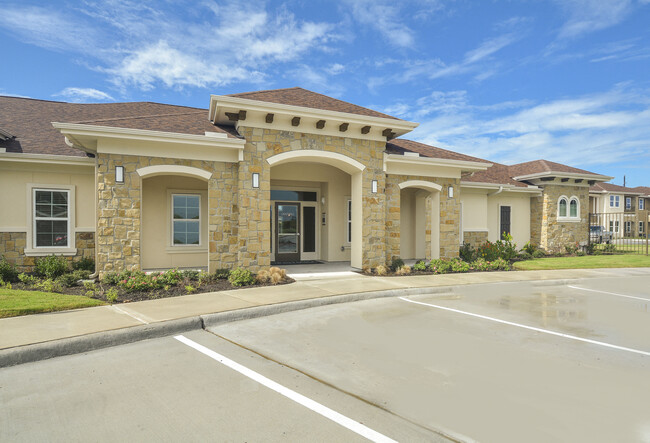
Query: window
[(628, 202), (562, 207), (641, 226), (573, 208), (186, 219), (613, 226), (614, 201), (51, 218), (349, 221), (628, 227), (641, 204)]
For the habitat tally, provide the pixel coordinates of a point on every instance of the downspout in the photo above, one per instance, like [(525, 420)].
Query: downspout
[(496, 192)]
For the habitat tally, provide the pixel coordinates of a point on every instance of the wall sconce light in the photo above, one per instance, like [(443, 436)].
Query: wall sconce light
[(374, 186), (256, 180), (322, 201), (119, 174), (450, 192)]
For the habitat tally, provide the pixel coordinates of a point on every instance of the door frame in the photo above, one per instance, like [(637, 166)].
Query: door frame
[(288, 257)]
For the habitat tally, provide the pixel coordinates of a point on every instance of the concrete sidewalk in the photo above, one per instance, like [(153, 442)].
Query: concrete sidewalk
[(25, 331)]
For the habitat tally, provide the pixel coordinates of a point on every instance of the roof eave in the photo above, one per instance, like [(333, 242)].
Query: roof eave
[(596, 177), (464, 165)]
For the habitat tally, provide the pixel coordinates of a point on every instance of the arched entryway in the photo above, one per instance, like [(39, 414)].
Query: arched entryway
[(316, 207), (419, 219), (174, 217)]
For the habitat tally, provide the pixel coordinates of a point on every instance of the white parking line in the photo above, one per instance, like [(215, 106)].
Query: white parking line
[(531, 328), (610, 293), (326, 412)]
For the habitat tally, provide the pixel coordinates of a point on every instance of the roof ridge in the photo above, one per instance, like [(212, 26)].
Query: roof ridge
[(263, 91), (140, 116)]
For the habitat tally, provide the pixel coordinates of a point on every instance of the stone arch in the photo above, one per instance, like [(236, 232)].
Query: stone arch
[(187, 171), (422, 210)]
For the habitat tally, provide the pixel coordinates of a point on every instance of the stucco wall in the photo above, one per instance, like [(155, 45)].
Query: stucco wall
[(519, 216), (157, 248), (475, 209), (14, 197)]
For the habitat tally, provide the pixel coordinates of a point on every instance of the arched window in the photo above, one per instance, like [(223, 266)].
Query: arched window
[(562, 207), (573, 208)]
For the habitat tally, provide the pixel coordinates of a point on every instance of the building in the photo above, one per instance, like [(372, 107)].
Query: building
[(619, 209), (270, 176)]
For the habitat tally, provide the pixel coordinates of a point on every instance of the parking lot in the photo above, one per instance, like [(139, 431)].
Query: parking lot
[(526, 361)]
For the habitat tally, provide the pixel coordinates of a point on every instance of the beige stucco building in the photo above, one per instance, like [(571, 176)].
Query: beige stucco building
[(277, 176)]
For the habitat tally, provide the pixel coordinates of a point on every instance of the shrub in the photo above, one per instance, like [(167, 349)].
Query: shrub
[(190, 289), (488, 251), (51, 266), (8, 272), (439, 266), (500, 265), (169, 277), (381, 270), (203, 278), (420, 266), (507, 248), (222, 274), (132, 281), (27, 279), (81, 274), (459, 266), (264, 276), (529, 248), (276, 270), (190, 274), (590, 248), (90, 286), (241, 277), (467, 252), (480, 264), (581, 253), (403, 270), (4, 284), (111, 278), (111, 295), (49, 285), (609, 248), (396, 264), (572, 248), (84, 264), (539, 254), (68, 280), (525, 255)]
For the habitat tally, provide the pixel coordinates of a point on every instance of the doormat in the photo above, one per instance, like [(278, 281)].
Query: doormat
[(304, 262)]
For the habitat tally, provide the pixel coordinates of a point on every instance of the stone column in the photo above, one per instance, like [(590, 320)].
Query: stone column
[(374, 218), (118, 215), (223, 213), (393, 208)]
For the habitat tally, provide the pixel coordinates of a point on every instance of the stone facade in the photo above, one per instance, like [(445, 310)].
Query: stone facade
[(119, 215), (254, 234), (12, 247), (475, 238), (449, 216), (547, 231)]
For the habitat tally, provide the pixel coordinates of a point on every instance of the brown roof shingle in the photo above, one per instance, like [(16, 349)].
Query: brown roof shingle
[(538, 166), (400, 145), (611, 187), (309, 99), (30, 121)]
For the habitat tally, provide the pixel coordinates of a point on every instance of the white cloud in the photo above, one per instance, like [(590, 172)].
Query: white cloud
[(84, 95), (383, 17), (598, 129), (146, 44), (586, 16)]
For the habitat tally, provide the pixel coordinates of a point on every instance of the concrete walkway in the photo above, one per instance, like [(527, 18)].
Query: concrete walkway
[(23, 331)]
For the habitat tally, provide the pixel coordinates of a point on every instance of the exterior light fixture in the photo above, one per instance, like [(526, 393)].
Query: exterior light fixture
[(374, 186), (119, 174), (450, 192), (256, 180)]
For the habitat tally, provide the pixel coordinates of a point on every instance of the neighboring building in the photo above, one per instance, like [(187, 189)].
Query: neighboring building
[(619, 209), (270, 176)]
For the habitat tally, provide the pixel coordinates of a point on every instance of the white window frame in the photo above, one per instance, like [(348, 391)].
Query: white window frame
[(31, 250), (628, 203), (568, 217), (614, 226), (628, 227), (641, 227), (614, 201), (641, 204), (171, 220)]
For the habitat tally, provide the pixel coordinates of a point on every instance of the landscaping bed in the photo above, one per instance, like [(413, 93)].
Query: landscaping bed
[(53, 275)]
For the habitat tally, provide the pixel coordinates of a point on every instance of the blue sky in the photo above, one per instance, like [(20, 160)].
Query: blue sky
[(509, 81)]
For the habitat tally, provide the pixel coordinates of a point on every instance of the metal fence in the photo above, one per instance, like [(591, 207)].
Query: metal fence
[(624, 232)]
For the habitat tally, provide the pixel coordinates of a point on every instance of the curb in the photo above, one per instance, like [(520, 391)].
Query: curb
[(105, 339)]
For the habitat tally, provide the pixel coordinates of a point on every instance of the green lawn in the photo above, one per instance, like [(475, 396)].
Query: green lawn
[(14, 302), (586, 262)]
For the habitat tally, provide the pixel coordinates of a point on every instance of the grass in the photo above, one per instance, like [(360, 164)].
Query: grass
[(585, 262), (14, 302)]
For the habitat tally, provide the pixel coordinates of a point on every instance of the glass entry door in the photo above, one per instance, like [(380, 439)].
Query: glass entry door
[(287, 232)]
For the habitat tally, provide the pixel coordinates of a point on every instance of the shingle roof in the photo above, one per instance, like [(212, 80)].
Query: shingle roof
[(400, 145), (538, 166), (643, 189), (309, 99), (611, 187), (497, 174), (30, 121)]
